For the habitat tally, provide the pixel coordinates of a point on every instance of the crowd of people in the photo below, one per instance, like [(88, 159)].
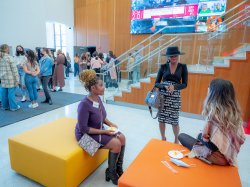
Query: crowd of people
[(107, 65), (26, 73), (103, 64)]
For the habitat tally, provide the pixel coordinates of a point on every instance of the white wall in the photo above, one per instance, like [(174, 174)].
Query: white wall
[(24, 21)]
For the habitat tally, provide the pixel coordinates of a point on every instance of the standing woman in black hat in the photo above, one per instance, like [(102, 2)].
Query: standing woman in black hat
[(171, 78)]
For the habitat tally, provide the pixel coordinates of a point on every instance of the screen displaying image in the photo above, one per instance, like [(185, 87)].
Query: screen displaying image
[(210, 8), (209, 15), (149, 16)]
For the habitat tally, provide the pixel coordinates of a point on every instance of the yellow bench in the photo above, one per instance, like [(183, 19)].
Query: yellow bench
[(51, 156)]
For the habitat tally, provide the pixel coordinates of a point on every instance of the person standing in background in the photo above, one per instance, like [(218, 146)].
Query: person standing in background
[(58, 77), (136, 69), (52, 56), (9, 79), (76, 65), (88, 57), (83, 62), (31, 69), (130, 65), (113, 73), (20, 59), (96, 63), (117, 67), (46, 64), (68, 64)]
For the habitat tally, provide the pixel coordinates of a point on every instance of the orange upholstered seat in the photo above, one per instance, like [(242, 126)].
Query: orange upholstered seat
[(148, 171)]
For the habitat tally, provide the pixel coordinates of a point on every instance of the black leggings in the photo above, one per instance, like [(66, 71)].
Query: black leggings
[(188, 142)]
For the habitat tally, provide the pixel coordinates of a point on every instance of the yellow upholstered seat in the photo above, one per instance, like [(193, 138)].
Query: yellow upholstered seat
[(51, 156)]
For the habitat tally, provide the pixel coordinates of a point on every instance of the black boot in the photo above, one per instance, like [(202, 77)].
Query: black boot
[(111, 170), (119, 169)]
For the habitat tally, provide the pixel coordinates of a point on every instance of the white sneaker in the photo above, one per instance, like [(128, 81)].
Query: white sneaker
[(23, 99), (35, 105), (13, 110)]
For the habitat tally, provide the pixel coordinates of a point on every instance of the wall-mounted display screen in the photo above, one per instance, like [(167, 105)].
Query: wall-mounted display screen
[(149, 16)]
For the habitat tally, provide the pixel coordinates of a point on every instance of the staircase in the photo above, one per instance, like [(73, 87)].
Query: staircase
[(237, 70)]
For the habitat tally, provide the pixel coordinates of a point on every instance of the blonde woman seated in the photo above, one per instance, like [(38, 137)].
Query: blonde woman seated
[(91, 117), (223, 134)]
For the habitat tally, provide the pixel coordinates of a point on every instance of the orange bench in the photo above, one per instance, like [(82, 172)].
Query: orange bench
[(148, 171)]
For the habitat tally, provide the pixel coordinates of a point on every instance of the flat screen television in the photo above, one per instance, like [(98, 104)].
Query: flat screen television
[(182, 16)]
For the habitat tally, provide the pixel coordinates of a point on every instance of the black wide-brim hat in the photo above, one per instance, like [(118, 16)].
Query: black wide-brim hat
[(173, 51)]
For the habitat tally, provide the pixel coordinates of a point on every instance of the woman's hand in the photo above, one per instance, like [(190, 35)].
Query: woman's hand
[(171, 88), (108, 132), (206, 132)]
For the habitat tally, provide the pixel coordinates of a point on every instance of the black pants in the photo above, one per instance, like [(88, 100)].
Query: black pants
[(45, 81), (188, 142), (67, 71), (98, 71)]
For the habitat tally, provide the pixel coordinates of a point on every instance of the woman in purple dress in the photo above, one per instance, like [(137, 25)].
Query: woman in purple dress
[(91, 117)]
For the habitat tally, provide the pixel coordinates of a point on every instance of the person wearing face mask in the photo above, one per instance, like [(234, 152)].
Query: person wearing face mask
[(171, 78), (20, 59), (91, 117), (46, 64)]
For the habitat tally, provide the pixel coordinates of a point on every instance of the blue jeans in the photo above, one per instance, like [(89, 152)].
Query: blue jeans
[(31, 83), (136, 74), (22, 82), (76, 69), (0, 93), (9, 98)]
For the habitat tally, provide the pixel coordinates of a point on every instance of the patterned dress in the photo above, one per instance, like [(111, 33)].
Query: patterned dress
[(171, 103)]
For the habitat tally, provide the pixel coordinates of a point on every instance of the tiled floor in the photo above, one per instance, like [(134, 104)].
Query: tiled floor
[(136, 124)]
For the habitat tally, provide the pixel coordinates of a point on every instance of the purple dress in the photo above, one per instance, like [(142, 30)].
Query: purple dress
[(90, 116)]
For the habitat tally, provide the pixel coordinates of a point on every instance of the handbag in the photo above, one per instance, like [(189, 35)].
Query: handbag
[(153, 100), (88, 143)]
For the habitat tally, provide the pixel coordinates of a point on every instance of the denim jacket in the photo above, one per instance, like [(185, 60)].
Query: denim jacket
[(46, 64)]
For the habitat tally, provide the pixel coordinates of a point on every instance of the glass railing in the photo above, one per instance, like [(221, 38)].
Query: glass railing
[(201, 50)]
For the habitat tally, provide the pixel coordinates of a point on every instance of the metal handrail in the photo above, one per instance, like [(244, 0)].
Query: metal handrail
[(234, 23), (156, 40), (154, 52), (151, 54)]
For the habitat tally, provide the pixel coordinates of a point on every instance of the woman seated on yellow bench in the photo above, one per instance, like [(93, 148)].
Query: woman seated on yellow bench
[(91, 116), (223, 133)]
